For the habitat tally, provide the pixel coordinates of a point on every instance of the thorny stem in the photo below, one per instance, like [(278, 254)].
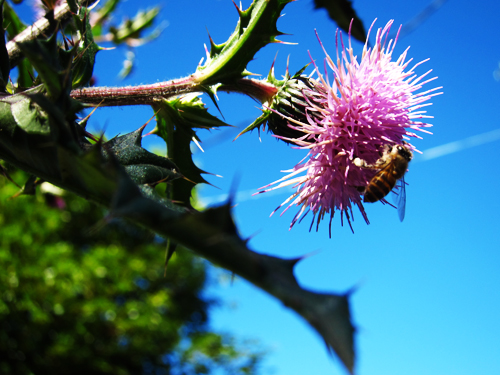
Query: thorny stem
[(134, 95), (149, 94), (40, 29)]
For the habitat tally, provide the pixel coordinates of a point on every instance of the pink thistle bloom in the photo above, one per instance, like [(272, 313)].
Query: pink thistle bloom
[(370, 105)]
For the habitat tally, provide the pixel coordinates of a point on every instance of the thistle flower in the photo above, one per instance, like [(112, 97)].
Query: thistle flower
[(371, 104)]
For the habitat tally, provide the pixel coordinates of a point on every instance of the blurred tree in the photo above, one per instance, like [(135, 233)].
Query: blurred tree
[(81, 298)]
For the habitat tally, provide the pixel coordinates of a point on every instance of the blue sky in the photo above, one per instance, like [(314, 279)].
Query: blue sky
[(428, 296)]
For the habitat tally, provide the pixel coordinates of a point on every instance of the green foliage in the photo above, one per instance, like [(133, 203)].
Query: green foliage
[(141, 165), (52, 69), (256, 28), (130, 30), (343, 13), (4, 55), (82, 298), (14, 26), (83, 65), (103, 14), (176, 120)]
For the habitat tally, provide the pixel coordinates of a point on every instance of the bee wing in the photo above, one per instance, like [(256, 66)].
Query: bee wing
[(401, 199)]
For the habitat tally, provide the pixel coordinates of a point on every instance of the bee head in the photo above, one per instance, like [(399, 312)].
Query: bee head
[(404, 151)]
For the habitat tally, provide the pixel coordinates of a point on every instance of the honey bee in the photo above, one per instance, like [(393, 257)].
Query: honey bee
[(392, 167)]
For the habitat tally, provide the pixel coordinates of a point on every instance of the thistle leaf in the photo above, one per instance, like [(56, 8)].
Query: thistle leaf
[(255, 29), (35, 135), (29, 187), (14, 27), (4, 54), (176, 119), (13, 24), (45, 59), (24, 132), (342, 12), (83, 64), (130, 30), (141, 165), (103, 14)]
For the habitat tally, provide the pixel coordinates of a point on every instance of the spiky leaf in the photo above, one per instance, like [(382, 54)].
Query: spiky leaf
[(44, 56), (176, 119), (255, 29), (102, 14), (141, 165), (4, 54), (13, 24), (342, 12), (130, 30), (83, 64), (14, 27)]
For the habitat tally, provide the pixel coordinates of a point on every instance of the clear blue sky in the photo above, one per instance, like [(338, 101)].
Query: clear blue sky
[(428, 296)]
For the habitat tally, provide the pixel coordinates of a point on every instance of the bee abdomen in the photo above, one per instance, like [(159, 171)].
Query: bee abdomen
[(378, 188)]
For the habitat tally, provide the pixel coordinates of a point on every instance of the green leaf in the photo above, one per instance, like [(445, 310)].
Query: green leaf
[(176, 119), (141, 165), (342, 12), (102, 14), (4, 54), (83, 64), (14, 27), (130, 30), (24, 129), (31, 130), (255, 29), (29, 187), (128, 65), (73, 5), (13, 23), (36, 136), (26, 74), (45, 59)]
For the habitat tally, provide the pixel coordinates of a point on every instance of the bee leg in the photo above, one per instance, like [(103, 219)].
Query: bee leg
[(360, 163)]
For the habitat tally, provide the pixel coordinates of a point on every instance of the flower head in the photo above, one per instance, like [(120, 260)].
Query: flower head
[(371, 105)]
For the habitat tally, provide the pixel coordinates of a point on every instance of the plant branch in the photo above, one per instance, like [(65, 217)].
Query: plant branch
[(135, 95), (42, 28), (151, 94)]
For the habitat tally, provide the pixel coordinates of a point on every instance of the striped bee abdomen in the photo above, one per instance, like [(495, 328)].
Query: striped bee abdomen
[(380, 185)]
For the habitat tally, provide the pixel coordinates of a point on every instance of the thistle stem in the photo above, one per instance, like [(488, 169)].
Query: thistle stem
[(134, 95), (149, 94)]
